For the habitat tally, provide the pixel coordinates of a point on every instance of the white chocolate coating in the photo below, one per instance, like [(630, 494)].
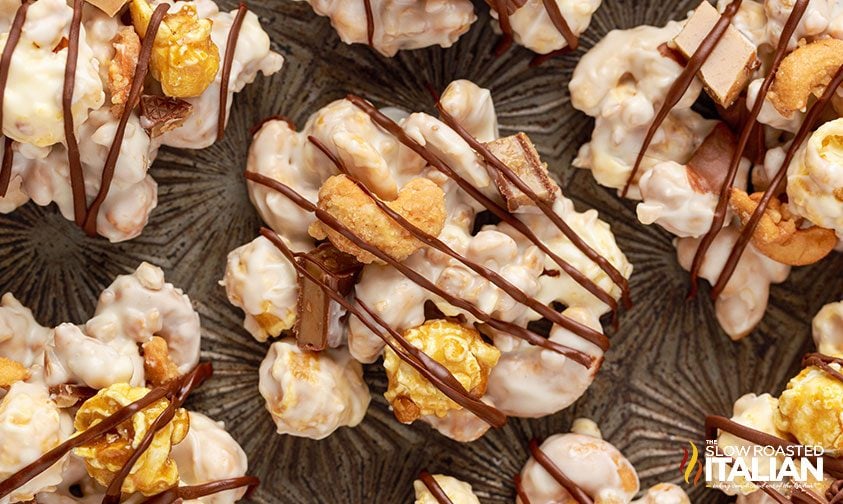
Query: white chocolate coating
[(77, 358), (815, 178), (592, 464), (742, 304), (30, 425), (312, 394), (209, 453), (664, 493), (22, 339), (399, 24), (533, 28), (260, 280), (459, 492), (622, 82), (828, 329), (670, 200)]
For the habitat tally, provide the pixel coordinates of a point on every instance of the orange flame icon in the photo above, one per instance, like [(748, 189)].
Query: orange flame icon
[(686, 467)]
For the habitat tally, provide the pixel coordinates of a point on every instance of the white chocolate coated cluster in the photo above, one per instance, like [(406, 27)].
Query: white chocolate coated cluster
[(36, 414), (828, 329), (312, 394), (595, 466), (33, 115), (533, 28), (525, 381), (459, 492)]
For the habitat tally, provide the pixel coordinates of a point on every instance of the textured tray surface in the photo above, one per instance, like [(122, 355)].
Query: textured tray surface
[(669, 365)]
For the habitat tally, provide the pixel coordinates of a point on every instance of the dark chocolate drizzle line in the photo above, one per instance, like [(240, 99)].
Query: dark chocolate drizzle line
[(195, 491), (748, 230), (683, 82), (395, 130), (141, 70), (561, 25), (824, 363), (576, 327), (506, 27), (519, 490), (833, 466), (228, 60), (719, 216), (179, 386), (5, 62), (370, 22), (511, 290), (572, 488), (77, 177), (433, 371), (572, 325), (434, 488), (546, 209)]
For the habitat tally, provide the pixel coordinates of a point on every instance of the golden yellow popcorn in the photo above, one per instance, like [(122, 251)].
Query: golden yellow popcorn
[(811, 408), (184, 58), (155, 471), (458, 348), (11, 372)]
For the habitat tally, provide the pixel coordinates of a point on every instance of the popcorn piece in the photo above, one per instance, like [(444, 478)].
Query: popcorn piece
[(155, 471), (78, 358), (727, 71), (533, 28), (110, 7), (260, 281), (815, 178), (30, 425), (456, 347), (457, 491), (520, 155), (811, 407), (779, 236), (460, 425), (184, 58), (592, 464), (312, 394), (804, 72), (158, 367), (160, 114), (673, 197), (743, 301), (11, 372), (317, 315), (472, 107), (828, 329), (420, 201), (209, 453), (121, 69)]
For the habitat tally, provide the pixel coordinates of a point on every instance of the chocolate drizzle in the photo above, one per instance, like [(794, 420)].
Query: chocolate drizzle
[(393, 128), (228, 60), (5, 62), (546, 209), (511, 290), (824, 363), (749, 229), (77, 178), (506, 8), (433, 371), (519, 490), (682, 83), (572, 488), (90, 225), (434, 488), (723, 199), (195, 491), (370, 22)]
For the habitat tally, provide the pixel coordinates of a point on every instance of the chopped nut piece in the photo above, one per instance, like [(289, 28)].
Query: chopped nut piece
[(121, 69), (779, 236), (155, 471), (157, 365), (11, 372), (316, 321), (421, 202), (805, 71), (160, 114), (184, 58), (520, 155), (458, 348), (710, 162), (110, 7), (727, 71)]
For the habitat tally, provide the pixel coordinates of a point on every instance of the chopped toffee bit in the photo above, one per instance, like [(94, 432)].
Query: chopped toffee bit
[(160, 114), (316, 312), (110, 7), (729, 67), (710, 162), (519, 153)]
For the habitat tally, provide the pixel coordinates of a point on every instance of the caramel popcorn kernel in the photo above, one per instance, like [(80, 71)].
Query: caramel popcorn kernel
[(811, 409)]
